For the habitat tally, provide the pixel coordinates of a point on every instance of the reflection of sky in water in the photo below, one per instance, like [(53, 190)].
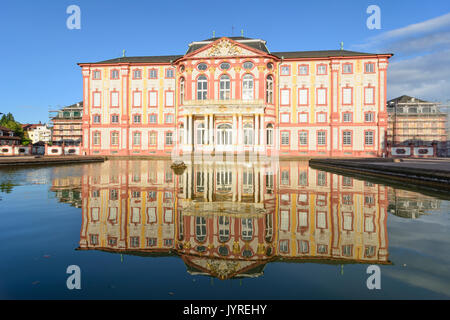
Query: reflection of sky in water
[(42, 233)]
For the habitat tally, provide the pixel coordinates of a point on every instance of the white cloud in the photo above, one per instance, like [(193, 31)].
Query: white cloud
[(421, 63)]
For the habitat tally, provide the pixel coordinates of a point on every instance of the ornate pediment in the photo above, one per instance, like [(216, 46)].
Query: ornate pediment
[(224, 48)]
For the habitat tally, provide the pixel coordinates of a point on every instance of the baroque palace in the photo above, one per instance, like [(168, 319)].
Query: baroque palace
[(231, 94)]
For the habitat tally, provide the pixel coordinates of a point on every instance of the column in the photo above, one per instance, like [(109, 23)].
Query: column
[(185, 134), (235, 124), (261, 132), (191, 131), (240, 132), (206, 122), (211, 129), (256, 130), (256, 184)]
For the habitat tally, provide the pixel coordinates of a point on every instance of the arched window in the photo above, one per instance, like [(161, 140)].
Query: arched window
[(202, 88), (181, 90), (269, 134), (224, 88), (247, 87), (201, 134), (269, 89), (224, 134), (248, 134)]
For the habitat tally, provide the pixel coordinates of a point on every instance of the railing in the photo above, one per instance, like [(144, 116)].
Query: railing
[(254, 102)]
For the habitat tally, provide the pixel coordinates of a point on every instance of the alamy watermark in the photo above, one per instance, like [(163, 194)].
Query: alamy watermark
[(74, 280), (74, 20), (374, 20), (374, 281)]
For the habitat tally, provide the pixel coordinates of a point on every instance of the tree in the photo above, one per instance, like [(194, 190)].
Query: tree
[(8, 121)]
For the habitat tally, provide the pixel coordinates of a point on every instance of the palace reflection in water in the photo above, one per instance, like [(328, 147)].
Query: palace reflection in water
[(230, 219)]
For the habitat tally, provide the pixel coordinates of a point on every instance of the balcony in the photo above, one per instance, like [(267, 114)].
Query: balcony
[(208, 106)]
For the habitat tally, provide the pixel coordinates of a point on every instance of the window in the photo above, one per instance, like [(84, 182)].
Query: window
[(285, 97), (303, 117), (152, 138), (96, 75), (368, 117), (303, 246), (114, 74), (269, 89), (153, 74), (136, 99), (247, 229), (347, 95), (114, 118), (285, 118), (202, 88), (347, 181), (321, 138), (321, 178), (169, 138), (169, 118), (114, 138), (114, 99), (153, 98), (96, 119), (224, 88), (137, 74), (97, 99), (285, 138), (247, 65), (181, 90), (170, 73), (225, 66), (134, 242), (152, 118), (247, 87), (169, 98), (321, 69), (321, 220), (202, 67), (303, 97), (369, 94), (201, 134), (368, 138), (285, 70), (347, 117), (224, 229), (303, 70), (96, 139), (321, 117), (137, 118), (200, 228), (248, 134), (369, 67), (151, 242), (269, 134), (284, 225), (303, 138), (347, 68), (136, 139), (347, 138), (321, 96)]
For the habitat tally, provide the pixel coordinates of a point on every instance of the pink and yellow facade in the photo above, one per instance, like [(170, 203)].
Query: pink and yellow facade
[(233, 95)]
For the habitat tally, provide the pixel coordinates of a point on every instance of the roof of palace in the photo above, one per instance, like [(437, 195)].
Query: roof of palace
[(257, 44)]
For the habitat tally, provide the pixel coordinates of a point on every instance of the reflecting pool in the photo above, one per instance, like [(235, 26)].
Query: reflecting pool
[(217, 230)]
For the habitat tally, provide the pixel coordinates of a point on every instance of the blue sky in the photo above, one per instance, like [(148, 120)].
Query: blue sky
[(39, 54)]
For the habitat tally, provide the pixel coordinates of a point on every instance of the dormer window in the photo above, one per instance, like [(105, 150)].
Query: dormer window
[(137, 74), (225, 66)]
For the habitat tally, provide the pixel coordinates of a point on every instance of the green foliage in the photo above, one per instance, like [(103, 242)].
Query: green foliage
[(8, 121)]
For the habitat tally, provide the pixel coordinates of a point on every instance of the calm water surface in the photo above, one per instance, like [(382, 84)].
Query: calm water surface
[(218, 230)]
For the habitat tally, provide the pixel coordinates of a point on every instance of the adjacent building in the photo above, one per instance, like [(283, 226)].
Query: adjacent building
[(412, 121), (8, 137), (231, 94), (67, 125), (38, 132)]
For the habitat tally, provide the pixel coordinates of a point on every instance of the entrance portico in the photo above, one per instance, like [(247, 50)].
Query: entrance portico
[(223, 126)]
